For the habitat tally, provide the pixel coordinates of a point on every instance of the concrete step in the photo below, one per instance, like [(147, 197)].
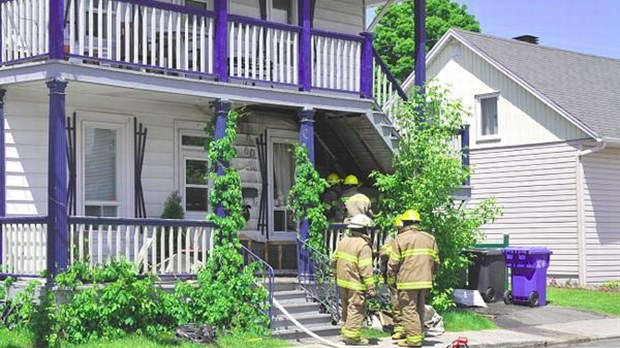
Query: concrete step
[(295, 333), (298, 308), (285, 283), (280, 322), (289, 295)]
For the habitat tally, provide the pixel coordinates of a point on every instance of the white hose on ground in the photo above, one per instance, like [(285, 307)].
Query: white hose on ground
[(303, 328)]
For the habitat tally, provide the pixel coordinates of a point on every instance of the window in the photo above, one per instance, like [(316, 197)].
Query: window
[(199, 5), (281, 11), (194, 167), (488, 116), (101, 171)]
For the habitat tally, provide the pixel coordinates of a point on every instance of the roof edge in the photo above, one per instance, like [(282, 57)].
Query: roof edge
[(452, 33)]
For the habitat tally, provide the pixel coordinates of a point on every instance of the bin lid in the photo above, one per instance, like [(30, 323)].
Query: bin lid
[(527, 250), (484, 251)]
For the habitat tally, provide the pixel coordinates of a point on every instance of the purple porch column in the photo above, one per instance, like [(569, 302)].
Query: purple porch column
[(2, 167), (305, 45), (221, 39), (305, 266), (419, 17), (57, 226), (366, 67), (222, 106), (56, 29)]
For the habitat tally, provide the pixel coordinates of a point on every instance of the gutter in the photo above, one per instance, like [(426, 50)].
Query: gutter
[(601, 143)]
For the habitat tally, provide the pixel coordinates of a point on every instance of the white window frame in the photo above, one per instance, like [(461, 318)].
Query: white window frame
[(208, 2), (276, 136), (269, 5), (183, 153), (125, 164), (487, 137)]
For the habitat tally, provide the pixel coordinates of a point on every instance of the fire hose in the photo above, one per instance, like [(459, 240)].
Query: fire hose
[(303, 328)]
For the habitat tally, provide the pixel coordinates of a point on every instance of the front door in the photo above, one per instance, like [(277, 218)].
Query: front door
[(281, 161), (105, 180)]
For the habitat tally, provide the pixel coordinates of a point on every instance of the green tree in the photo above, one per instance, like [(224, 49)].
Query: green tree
[(427, 172), (394, 33)]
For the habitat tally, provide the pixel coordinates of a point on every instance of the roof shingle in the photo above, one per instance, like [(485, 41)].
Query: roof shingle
[(585, 86)]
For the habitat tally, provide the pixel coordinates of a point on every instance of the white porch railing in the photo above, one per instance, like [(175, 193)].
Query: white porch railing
[(157, 35), (24, 245), (24, 29), (336, 61), (154, 245), (386, 90), (263, 51), (164, 247)]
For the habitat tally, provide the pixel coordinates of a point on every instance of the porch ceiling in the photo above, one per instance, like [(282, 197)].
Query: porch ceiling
[(97, 80)]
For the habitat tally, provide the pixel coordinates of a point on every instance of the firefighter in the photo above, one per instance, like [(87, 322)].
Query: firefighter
[(354, 202), (352, 263), (391, 320), (412, 263), (331, 197)]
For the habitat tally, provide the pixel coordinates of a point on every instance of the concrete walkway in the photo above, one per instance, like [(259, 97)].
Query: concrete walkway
[(526, 327)]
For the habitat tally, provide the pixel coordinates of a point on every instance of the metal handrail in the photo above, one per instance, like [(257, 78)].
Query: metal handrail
[(268, 276), (320, 286)]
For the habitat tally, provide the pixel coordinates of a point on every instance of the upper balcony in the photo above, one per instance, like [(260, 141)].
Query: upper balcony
[(154, 37)]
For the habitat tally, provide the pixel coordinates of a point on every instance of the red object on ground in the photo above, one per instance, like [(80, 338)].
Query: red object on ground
[(460, 342)]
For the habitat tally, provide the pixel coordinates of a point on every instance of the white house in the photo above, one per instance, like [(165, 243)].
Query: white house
[(545, 141), (135, 82)]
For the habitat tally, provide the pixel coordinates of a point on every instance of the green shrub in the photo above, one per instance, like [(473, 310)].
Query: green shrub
[(173, 208)]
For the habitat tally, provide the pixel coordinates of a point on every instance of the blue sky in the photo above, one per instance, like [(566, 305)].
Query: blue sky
[(588, 26)]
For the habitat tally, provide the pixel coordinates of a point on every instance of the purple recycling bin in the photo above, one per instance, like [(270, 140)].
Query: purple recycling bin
[(529, 275)]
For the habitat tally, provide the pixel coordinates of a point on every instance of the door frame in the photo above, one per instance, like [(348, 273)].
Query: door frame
[(273, 135), (125, 161)]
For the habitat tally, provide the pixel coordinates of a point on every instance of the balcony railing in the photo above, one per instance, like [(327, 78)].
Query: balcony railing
[(164, 247), (158, 37)]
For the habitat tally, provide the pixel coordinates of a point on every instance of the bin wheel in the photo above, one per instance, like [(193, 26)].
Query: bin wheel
[(489, 295), (533, 299), (508, 297)]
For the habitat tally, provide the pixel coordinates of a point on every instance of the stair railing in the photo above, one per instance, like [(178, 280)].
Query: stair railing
[(387, 93), (266, 273), (320, 285)]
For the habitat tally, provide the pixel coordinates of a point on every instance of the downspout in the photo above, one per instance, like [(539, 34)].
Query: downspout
[(581, 210)]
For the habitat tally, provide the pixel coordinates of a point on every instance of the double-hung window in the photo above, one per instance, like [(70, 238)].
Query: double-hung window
[(488, 120)]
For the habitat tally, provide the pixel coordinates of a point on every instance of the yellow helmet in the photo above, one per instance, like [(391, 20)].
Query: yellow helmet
[(351, 180), (398, 222), (333, 179), (411, 215)]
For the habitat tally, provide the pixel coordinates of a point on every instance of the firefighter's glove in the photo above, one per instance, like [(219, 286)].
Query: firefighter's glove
[(371, 293)]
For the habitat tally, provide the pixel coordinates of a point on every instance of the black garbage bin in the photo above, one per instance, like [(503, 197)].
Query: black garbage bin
[(487, 273)]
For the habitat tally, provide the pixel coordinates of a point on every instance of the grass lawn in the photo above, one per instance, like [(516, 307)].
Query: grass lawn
[(456, 320), (14, 339), (373, 333), (597, 301)]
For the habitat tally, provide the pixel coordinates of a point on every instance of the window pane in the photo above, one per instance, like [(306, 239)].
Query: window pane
[(283, 172), (282, 11), (187, 140), (196, 5), (92, 210), (100, 164), (195, 199), (488, 107), (195, 172)]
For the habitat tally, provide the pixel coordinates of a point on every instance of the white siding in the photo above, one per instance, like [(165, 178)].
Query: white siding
[(26, 146), (602, 215), (536, 188), (342, 16), (522, 118)]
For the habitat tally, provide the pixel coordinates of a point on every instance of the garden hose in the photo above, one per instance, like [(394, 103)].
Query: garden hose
[(303, 328)]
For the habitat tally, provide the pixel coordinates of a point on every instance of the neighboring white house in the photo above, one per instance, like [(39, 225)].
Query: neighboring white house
[(545, 141)]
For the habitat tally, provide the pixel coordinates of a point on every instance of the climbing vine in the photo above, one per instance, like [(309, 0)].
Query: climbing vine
[(226, 296), (305, 199)]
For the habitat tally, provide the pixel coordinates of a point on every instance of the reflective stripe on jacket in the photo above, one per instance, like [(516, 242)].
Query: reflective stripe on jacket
[(413, 260), (352, 263)]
